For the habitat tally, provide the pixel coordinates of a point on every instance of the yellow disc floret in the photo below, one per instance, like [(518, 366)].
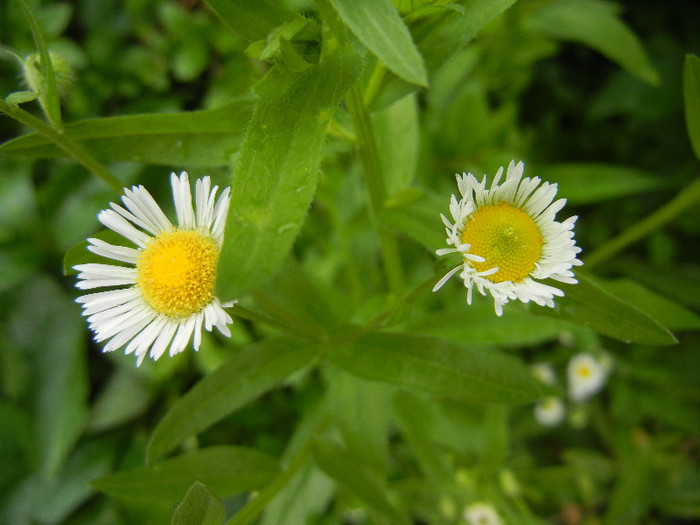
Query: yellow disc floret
[(177, 272), (507, 238)]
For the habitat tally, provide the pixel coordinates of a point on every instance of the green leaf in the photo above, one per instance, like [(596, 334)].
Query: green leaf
[(588, 183), (441, 39), (358, 476), (252, 19), (418, 216), (198, 138), (226, 470), (397, 135), (20, 97), (275, 177), (596, 24), (379, 27), (664, 310), (590, 305), (361, 410), (250, 372), (516, 327), (437, 367), (691, 96), (200, 507)]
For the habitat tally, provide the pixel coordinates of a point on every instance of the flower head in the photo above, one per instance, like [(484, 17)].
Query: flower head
[(550, 411), (586, 377), (509, 240), (163, 291), (481, 514)]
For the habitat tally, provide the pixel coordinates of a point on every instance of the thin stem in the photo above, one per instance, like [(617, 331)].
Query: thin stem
[(74, 149), (656, 220), (369, 157)]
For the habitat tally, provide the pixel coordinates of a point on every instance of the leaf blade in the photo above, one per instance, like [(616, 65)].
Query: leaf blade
[(377, 24), (691, 97), (256, 369), (276, 174), (168, 480), (437, 367)]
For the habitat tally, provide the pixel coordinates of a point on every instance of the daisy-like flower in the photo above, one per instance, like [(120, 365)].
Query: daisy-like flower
[(509, 240), (545, 373), (165, 285), (550, 411), (481, 514), (586, 377)]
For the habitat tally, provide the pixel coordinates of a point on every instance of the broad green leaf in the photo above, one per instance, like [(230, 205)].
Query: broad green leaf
[(380, 28), (226, 470), (361, 409), (594, 23), (250, 372), (442, 38), (200, 507), (588, 183), (252, 19), (691, 96), (590, 305), (398, 137), (277, 169), (437, 367), (197, 138), (358, 476)]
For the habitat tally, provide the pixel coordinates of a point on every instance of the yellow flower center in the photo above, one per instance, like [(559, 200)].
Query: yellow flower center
[(507, 238), (177, 272), (584, 371)]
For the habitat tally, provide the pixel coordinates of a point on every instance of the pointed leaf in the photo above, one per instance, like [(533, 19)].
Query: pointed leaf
[(200, 507), (277, 169), (589, 304), (225, 470), (596, 24), (196, 138), (379, 27), (250, 372), (587, 183), (437, 367)]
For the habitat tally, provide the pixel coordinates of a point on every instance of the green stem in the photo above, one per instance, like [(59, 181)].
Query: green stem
[(369, 157), (656, 220), (74, 149)]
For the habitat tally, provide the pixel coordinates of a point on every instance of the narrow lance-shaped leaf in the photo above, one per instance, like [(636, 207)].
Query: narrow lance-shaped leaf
[(226, 470), (277, 169), (437, 367), (691, 96), (596, 24), (379, 27), (589, 305), (250, 372), (442, 38), (196, 138)]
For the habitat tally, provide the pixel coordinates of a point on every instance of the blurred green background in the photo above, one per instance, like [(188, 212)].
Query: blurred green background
[(613, 137)]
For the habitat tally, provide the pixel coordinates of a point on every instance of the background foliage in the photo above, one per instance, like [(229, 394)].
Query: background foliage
[(349, 393)]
